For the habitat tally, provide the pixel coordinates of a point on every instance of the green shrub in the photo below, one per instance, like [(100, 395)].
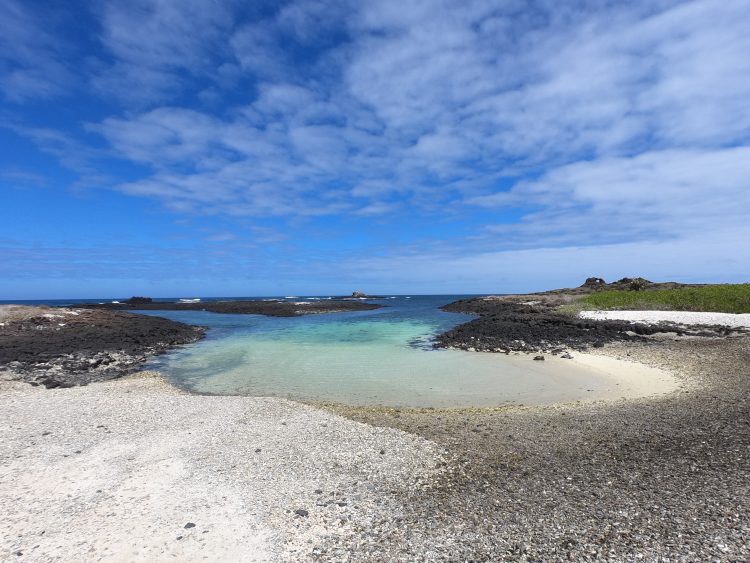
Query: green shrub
[(725, 298)]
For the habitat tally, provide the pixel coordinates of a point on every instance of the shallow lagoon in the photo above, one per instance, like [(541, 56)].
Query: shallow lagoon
[(381, 357)]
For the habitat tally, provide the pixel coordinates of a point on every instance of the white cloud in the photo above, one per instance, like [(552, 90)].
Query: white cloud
[(256, 48), (613, 121), (164, 137), (465, 93), (699, 257), (659, 194), (32, 59), (594, 82), (157, 45)]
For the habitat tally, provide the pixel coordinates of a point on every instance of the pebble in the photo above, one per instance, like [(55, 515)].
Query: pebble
[(629, 481), (194, 460)]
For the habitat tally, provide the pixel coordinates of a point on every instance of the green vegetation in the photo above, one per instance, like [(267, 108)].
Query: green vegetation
[(727, 298)]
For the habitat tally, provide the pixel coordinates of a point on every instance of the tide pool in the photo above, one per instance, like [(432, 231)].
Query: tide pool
[(382, 357)]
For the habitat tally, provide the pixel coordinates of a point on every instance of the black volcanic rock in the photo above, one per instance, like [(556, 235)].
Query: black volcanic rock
[(138, 300), (506, 325), (359, 295), (595, 283), (63, 347), (531, 323), (632, 284)]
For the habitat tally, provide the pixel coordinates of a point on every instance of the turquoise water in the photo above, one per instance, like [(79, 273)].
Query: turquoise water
[(380, 357)]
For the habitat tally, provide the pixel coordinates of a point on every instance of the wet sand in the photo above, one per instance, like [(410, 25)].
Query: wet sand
[(404, 377), (652, 479)]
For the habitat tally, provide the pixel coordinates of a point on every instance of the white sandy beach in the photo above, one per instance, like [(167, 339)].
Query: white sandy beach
[(115, 471), (678, 317)]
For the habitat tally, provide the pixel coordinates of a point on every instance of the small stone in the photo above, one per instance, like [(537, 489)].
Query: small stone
[(257, 450), (318, 491), (189, 525), (539, 358), (382, 452), (567, 356), (301, 512)]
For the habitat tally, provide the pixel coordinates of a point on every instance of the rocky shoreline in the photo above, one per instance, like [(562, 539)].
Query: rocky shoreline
[(663, 478), (77, 345), (533, 323), (62, 347), (656, 479)]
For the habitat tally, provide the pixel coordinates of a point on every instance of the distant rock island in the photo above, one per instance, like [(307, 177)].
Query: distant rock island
[(359, 295)]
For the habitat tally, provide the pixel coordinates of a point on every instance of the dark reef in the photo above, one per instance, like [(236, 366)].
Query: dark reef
[(61, 347), (533, 323), (275, 308)]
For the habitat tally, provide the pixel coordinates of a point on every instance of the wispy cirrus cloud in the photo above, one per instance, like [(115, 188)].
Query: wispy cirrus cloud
[(438, 104), (155, 50), (654, 195), (32, 57)]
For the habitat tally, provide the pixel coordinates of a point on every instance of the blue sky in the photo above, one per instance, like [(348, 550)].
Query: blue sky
[(208, 147)]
